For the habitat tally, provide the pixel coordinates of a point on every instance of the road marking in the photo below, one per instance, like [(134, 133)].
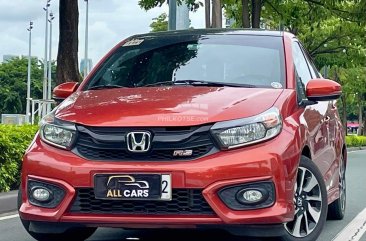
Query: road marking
[(356, 150), (9, 217), (354, 230)]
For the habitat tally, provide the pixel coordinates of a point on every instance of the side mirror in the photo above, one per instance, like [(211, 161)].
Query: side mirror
[(64, 90), (323, 90)]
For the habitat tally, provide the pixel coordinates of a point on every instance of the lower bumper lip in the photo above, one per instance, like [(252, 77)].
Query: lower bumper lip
[(177, 220)]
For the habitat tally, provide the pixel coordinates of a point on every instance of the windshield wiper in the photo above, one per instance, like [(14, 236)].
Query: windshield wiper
[(158, 83), (199, 83), (214, 84), (99, 87)]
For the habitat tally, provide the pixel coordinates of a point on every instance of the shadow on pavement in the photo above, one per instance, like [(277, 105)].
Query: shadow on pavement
[(167, 235)]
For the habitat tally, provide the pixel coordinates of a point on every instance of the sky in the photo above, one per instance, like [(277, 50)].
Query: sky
[(110, 21)]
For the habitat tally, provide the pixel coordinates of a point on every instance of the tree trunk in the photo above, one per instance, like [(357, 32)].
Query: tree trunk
[(245, 13), (216, 14), (256, 13), (208, 13), (67, 57)]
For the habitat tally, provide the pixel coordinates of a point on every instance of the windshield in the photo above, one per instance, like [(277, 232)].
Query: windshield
[(165, 60)]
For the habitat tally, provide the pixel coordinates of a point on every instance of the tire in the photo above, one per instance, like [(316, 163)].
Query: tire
[(337, 209), (310, 200), (77, 234)]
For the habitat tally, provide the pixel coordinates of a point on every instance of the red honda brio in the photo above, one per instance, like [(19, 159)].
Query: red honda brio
[(224, 129)]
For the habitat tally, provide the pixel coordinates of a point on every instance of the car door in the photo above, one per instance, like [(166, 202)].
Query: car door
[(315, 117), (333, 127)]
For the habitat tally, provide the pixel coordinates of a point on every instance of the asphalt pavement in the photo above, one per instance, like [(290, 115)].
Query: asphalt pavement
[(352, 228)]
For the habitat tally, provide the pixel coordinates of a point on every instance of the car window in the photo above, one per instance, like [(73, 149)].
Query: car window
[(239, 59), (233, 64), (314, 71), (301, 64)]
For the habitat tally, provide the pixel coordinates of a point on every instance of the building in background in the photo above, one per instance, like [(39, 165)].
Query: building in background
[(183, 21), (12, 119), (8, 57), (82, 64), (229, 22)]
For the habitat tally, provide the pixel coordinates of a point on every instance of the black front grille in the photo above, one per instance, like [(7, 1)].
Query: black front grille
[(184, 202), (109, 143)]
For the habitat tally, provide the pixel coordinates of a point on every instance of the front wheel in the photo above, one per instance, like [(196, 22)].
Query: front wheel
[(337, 209), (310, 200)]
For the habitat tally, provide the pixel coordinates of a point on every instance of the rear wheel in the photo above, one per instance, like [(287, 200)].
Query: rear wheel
[(77, 233), (310, 200), (337, 209)]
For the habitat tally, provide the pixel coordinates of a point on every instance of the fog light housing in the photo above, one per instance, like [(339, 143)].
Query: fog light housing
[(44, 194), (41, 194), (249, 196)]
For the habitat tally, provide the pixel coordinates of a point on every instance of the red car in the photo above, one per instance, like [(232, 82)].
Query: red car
[(227, 129)]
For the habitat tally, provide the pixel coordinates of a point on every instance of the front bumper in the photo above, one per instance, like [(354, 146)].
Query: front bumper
[(272, 160)]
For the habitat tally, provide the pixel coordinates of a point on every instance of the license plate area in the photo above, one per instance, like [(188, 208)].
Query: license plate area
[(133, 186)]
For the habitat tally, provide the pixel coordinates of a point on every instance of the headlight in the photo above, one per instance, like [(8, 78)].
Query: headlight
[(56, 132), (236, 133)]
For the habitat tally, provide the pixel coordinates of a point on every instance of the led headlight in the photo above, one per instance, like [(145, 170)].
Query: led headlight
[(236, 133), (56, 132)]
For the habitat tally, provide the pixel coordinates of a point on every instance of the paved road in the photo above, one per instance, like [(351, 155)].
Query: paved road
[(11, 229)]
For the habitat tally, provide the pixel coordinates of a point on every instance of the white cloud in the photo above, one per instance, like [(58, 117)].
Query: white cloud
[(110, 21)]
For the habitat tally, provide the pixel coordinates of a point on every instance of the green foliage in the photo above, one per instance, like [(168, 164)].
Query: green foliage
[(13, 84), (355, 141), (149, 4), (14, 140), (160, 23)]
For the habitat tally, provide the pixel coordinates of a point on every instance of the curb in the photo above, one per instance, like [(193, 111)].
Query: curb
[(8, 201), (351, 149)]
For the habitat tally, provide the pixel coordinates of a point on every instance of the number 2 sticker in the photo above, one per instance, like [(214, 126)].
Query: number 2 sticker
[(166, 187)]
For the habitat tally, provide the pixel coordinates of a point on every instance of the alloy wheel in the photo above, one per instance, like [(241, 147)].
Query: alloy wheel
[(308, 204)]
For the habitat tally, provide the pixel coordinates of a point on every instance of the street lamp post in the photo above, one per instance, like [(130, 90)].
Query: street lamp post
[(44, 109), (172, 21), (27, 114), (49, 89), (86, 62)]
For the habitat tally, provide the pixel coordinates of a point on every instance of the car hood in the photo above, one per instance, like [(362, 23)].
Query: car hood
[(165, 106)]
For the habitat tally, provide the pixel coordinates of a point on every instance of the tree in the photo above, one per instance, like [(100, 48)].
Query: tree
[(160, 23), (208, 13), (245, 14), (13, 84), (216, 14), (67, 57), (149, 4)]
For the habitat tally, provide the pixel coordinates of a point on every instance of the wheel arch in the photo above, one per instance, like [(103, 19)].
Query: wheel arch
[(344, 154), (306, 152)]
